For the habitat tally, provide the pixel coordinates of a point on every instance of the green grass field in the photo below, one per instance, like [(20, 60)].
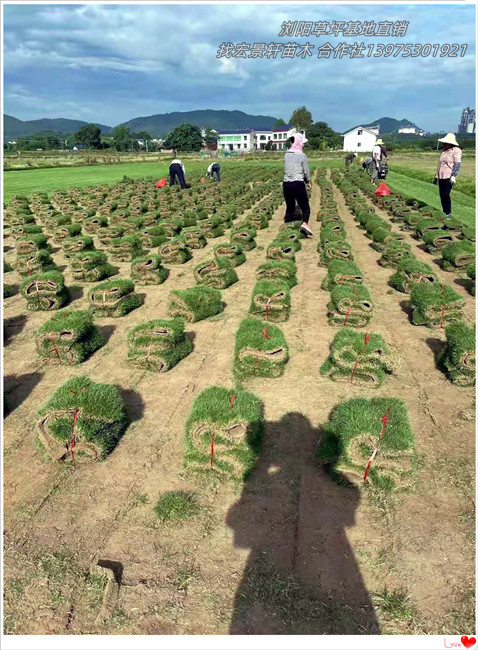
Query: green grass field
[(46, 180), (463, 206)]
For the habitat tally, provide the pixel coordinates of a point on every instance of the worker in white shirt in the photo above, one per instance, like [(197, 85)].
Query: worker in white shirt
[(176, 170), (214, 168), (377, 155)]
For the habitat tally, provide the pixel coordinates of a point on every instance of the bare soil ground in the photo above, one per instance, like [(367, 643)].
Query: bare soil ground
[(291, 552)]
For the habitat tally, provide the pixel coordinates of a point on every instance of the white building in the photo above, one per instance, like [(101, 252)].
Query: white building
[(361, 138), (254, 139), (408, 129)]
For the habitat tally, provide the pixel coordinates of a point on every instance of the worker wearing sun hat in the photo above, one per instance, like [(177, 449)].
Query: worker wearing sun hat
[(447, 169), (378, 152)]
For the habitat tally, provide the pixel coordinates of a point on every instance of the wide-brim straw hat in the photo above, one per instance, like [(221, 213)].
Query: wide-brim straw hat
[(379, 141), (449, 139)]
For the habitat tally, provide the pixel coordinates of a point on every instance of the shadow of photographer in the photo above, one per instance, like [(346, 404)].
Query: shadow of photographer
[(301, 576)]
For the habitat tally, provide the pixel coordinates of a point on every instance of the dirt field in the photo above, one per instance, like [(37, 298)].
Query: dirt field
[(292, 552)]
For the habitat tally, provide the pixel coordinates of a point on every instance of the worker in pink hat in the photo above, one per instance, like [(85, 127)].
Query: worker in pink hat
[(296, 182), (447, 169)]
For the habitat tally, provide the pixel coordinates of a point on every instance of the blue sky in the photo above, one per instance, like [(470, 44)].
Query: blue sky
[(111, 63)]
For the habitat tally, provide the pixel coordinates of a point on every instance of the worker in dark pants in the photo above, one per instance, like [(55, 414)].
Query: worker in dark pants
[(214, 168), (176, 171), (296, 176), (349, 158), (447, 170)]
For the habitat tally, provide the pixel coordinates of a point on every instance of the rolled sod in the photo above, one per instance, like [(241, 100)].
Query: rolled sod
[(223, 433), (125, 249), (212, 227), (90, 266), (158, 345), (459, 358), (196, 303), (29, 244), (73, 245), (175, 251), (68, 230), (261, 350), (363, 449), (25, 231), (82, 421), (338, 250), (259, 220), (148, 270), (458, 255), (437, 239), (271, 300), (350, 305), (114, 298), (232, 252), (217, 273), (152, 237), (471, 273), (107, 234), (469, 232), (358, 358), (38, 261), (281, 249), (45, 291), (284, 270), (328, 235), (244, 236), (194, 237), (290, 236), (435, 304), (342, 272), (93, 224), (426, 225), (395, 252), (68, 338), (410, 272), (7, 267)]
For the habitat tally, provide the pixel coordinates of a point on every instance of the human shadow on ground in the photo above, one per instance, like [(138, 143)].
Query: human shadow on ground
[(13, 326), (17, 388), (301, 576)]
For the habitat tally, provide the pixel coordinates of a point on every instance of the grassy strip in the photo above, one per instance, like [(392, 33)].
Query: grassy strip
[(466, 184), (463, 206)]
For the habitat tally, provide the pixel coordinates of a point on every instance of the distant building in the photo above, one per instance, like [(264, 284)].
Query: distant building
[(361, 138), (79, 147), (254, 139), (468, 121), (408, 129)]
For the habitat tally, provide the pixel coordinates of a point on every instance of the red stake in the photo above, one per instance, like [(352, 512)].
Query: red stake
[(212, 448), (347, 315), (367, 339), (54, 347), (384, 420), (265, 334), (232, 401)]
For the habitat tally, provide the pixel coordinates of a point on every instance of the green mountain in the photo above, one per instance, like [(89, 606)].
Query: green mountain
[(390, 124), (161, 124), (14, 128)]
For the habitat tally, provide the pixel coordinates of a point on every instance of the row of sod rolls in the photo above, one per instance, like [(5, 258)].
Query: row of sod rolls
[(433, 304)]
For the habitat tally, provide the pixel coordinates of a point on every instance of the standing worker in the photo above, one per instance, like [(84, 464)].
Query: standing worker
[(296, 176), (214, 167), (447, 169), (176, 170), (378, 153)]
